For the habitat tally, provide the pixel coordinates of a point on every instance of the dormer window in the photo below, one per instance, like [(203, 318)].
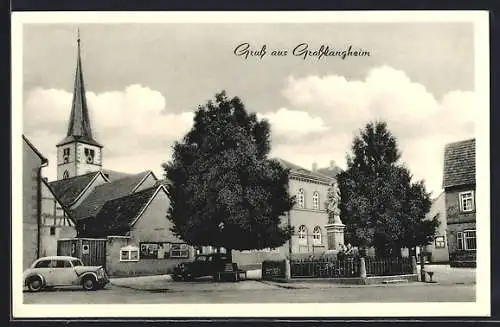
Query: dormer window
[(89, 155), (66, 155)]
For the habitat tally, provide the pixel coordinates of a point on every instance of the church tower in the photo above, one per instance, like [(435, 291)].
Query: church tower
[(78, 153)]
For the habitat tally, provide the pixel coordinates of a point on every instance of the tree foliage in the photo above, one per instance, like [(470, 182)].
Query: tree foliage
[(224, 191), (379, 203)]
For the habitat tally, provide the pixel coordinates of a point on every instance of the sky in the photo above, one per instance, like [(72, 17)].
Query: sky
[(144, 82)]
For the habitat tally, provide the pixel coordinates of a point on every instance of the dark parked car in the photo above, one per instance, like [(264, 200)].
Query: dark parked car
[(202, 265)]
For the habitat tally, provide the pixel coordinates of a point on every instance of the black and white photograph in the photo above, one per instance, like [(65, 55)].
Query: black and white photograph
[(250, 164)]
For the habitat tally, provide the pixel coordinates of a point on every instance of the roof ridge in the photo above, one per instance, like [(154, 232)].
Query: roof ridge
[(74, 177), (460, 142)]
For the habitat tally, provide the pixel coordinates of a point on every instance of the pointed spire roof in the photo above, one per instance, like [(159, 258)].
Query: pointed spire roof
[(79, 128)]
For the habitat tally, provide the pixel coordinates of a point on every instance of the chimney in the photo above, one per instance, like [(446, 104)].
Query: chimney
[(332, 164), (315, 167)]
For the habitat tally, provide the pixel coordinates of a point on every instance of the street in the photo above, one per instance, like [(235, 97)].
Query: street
[(257, 292), (453, 285)]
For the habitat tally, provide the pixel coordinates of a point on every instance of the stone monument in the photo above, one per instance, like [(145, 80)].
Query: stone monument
[(335, 227)]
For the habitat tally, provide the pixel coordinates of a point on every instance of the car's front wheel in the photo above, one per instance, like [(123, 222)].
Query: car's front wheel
[(187, 277), (35, 284), (89, 284)]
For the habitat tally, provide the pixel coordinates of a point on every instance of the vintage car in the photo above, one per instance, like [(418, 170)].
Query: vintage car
[(48, 272), (202, 265)]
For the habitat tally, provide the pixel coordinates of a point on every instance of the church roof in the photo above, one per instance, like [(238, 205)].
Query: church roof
[(113, 175), (117, 215), (105, 192), (79, 128), (459, 163), (67, 190), (298, 171)]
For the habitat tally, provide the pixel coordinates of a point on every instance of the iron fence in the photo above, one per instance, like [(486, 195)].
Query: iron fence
[(324, 268), (388, 266)]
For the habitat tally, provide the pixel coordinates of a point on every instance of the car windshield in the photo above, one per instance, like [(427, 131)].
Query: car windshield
[(76, 263), (201, 258)]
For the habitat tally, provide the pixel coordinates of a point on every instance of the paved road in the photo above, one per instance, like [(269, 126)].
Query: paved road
[(256, 292)]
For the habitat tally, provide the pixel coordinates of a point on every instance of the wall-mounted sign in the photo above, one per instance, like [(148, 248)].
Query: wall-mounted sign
[(272, 270), (85, 249)]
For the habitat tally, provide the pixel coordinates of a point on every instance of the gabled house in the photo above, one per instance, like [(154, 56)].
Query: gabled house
[(437, 251), (33, 162), (459, 183), (140, 221), (45, 218), (56, 221)]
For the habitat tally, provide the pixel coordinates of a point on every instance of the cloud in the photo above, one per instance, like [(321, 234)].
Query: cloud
[(317, 122), (130, 123), (422, 123), (293, 124)]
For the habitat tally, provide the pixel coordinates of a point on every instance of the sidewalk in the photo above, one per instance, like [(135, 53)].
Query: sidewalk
[(443, 275), (446, 275), (165, 283)]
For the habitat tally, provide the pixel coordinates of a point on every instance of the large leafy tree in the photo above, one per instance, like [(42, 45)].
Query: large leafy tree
[(379, 203), (223, 188)]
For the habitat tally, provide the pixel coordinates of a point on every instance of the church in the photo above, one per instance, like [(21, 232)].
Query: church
[(118, 219)]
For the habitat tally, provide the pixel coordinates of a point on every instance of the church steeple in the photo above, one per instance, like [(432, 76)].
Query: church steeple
[(79, 128), (78, 153)]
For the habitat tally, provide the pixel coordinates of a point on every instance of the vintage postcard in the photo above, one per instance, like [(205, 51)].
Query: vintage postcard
[(250, 164)]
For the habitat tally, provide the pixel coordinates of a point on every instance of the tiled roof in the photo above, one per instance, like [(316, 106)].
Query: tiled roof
[(64, 208), (164, 182), (330, 172), (67, 190), (298, 171), (459, 163), (105, 192), (113, 175), (116, 216)]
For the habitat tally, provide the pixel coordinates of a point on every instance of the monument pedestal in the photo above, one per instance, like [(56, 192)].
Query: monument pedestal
[(335, 234)]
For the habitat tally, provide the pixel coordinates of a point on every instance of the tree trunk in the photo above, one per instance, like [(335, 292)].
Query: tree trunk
[(396, 251), (422, 267), (412, 252)]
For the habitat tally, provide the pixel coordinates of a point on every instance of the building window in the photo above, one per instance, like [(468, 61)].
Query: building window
[(301, 199), (66, 155), (470, 240), (179, 251), (129, 253), (66, 174), (316, 200), (439, 242), (52, 230), (466, 240), (466, 201), (163, 250), (302, 235), (317, 235), (89, 155)]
